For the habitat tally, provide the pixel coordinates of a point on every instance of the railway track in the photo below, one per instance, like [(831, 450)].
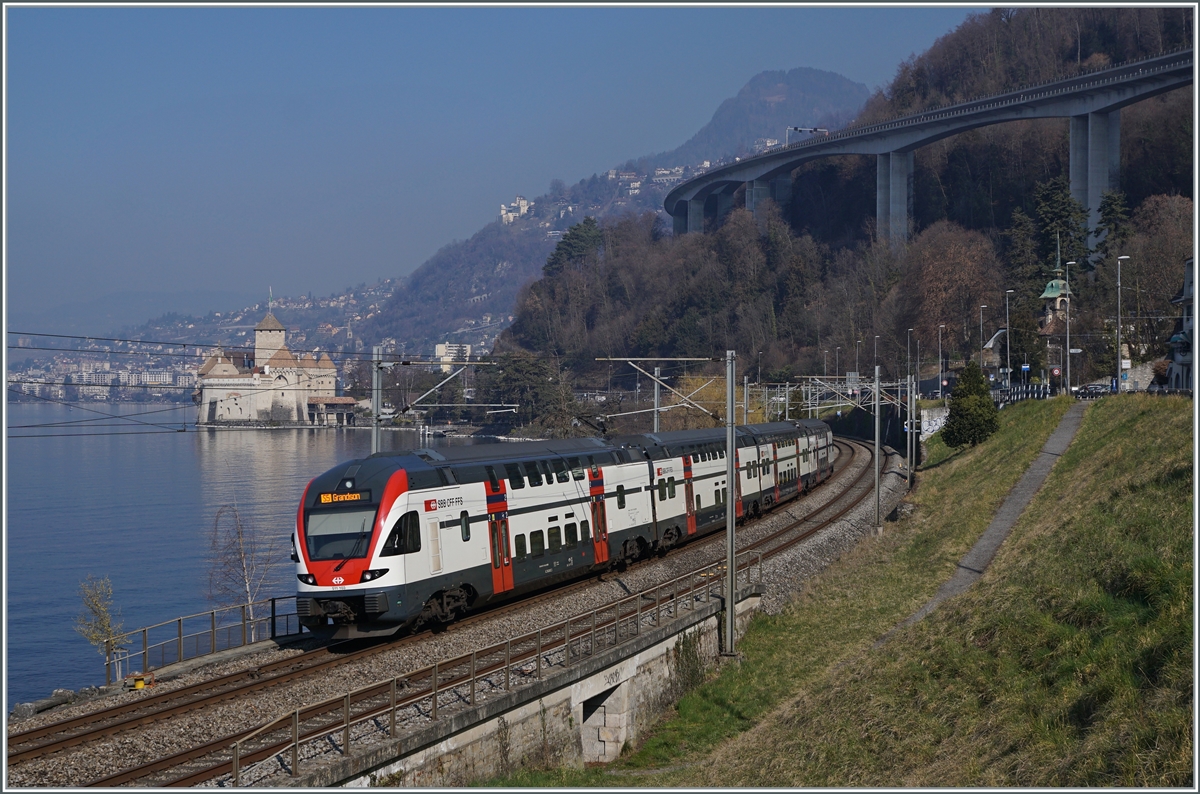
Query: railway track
[(190, 766)]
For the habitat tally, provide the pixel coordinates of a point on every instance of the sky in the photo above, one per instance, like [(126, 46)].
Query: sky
[(192, 154)]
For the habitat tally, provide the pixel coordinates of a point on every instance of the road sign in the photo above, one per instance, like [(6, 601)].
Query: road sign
[(1124, 376), (1076, 350), (1024, 367), (1056, 372)]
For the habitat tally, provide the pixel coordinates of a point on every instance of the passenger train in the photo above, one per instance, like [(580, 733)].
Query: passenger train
[(400, 539)]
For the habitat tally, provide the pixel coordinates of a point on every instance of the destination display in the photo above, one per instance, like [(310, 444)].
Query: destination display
[(346, 496)]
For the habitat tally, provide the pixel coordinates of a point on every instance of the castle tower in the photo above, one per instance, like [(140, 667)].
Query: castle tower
[(268, 339)]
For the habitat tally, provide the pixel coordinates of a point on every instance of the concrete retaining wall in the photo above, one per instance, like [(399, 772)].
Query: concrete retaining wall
[(584, 714)]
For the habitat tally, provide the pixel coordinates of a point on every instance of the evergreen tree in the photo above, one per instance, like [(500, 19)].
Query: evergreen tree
[(579, 241), (1115, 228), (1063, 221), (973, 416)]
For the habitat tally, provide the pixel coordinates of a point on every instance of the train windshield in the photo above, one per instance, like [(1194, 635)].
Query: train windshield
[(338, 534)]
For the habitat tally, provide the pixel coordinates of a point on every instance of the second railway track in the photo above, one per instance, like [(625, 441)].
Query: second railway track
[(66, 734)]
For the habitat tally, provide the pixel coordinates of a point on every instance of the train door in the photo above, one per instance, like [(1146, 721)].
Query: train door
[(689, 495), (502, 572), (775, 467), (599, 512), (498, 540)]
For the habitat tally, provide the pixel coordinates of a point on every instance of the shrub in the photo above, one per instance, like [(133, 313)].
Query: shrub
[(973, 416)]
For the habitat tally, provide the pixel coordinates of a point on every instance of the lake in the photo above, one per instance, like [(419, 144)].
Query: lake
[(130, 498)]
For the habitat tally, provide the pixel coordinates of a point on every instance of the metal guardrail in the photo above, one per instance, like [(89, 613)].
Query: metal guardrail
[(457, 682), (201, 634)]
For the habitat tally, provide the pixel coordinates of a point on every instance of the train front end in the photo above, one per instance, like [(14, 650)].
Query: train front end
[(349, 550)]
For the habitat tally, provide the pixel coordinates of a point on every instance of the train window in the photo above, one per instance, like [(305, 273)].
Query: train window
[(492, 479), (520, 552), (671, 487), (531, 471), (555, 534), (585, 530), (405, 537), (662, 490), (515, 480), (697, 503), (721, 452), (464, 521), (560, 470), (724, 495), (537, 543), (592, 465), (576, 468), (571, 533), (620, 497), (547, 472)]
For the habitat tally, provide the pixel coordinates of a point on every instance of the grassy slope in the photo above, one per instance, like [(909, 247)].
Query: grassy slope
[(1069, 663), (842, 612)]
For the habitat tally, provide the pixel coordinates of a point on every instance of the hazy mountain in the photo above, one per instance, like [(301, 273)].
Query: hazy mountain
[(467, 290), (766, 106)]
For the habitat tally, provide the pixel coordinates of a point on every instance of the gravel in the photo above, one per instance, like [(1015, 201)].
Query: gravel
[(783, 574)]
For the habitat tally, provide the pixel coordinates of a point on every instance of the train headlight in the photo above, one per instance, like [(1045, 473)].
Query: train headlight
[(373, 574), (307, 578), (295, 556)]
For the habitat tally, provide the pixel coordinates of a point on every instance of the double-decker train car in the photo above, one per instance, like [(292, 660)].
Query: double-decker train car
[(397, 539)]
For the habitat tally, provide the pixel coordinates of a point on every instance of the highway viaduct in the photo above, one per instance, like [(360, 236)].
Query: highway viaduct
[(1092, 101)]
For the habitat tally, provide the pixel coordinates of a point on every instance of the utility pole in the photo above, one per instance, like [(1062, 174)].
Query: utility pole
[(912, 432), (1119, 361), (376, 396), (745, 399), (731, 495), (656, 398), (878, 527), (940, 327), (1069, 328)]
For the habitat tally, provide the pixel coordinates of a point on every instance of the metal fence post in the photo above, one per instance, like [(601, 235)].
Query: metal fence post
[(507, 661), (346, 730), (657, 606), (295, 742), (179, 642), (108, 653), (237, 765), (637, 609), (539, 653), (592, 647), (145, 651), (212, 643), (243, 624), (473, 678), (272, 618)]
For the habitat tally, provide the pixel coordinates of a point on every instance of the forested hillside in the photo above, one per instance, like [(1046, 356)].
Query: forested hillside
[(993, 207)]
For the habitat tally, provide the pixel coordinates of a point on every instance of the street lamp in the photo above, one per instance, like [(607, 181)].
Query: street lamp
[(1069, 327), (759, 378), (940, 327), (981, 308), (1119, 258), (856, 344), (837, 365), (826, 364), (876, 361), (1007, 343)]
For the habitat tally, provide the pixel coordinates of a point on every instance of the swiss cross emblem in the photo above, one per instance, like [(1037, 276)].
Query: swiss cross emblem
[(430, 505), (338, 580), (660, 471)]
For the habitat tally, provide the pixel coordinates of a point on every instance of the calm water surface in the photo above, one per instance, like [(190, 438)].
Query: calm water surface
[(137, 506)]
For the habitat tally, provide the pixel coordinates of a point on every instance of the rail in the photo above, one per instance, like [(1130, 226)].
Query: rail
[(454, 683), (204, 633)]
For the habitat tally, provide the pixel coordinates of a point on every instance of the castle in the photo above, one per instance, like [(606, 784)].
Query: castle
[(270, 384)]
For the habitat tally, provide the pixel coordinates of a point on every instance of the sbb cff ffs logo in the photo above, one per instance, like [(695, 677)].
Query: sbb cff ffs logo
[(430, 505)]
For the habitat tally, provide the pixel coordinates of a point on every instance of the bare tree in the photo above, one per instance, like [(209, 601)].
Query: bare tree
[(241, 561), (97, 622)]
